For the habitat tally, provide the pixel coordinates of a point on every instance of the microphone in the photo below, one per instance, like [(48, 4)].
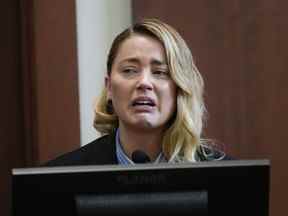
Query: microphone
[(139, 156)]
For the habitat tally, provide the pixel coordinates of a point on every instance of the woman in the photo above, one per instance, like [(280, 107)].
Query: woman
[(152, 102)]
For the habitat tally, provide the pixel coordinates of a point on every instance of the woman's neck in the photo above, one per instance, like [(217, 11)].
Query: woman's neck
[(149, 142)]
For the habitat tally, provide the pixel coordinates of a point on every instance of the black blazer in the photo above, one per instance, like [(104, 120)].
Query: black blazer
[(103, 151), (99, 152)]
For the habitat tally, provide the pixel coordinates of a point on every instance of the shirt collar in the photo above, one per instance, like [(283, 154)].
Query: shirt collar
[(123, 159)]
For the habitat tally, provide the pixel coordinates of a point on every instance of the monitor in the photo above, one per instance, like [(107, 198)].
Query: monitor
[(236, 187)]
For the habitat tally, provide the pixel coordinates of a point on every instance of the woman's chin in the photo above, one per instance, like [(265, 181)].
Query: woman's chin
[(143, 124)]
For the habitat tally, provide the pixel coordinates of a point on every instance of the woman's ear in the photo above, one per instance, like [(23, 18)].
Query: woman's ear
[(108, 87), (109, 105)]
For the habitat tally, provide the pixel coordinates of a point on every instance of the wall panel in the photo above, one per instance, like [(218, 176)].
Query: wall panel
[(240, 48), (39, 109)]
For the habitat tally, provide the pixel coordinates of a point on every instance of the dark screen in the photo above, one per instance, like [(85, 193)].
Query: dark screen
[(215, 188)]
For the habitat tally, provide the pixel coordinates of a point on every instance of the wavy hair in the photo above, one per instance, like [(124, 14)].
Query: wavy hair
[(182, 139)]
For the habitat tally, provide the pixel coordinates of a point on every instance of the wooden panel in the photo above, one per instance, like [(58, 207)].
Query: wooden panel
[(39, 86), (51, 79), (11, 113), (240, 48)]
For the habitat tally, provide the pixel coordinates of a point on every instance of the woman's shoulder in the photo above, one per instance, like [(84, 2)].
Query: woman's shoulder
[(99, 151)]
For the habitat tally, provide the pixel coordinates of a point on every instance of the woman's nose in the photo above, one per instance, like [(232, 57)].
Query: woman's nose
[(145, 81)]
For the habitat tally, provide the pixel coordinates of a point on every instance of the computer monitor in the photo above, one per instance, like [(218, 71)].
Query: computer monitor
[(237, 187)]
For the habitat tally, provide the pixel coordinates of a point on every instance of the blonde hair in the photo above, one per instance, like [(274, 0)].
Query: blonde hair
[(182, 139)]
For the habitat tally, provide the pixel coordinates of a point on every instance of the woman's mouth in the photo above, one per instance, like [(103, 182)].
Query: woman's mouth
[(143, 101), (143, 104)]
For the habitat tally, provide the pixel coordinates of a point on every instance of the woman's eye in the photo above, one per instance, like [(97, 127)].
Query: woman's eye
[(162, 73), (129, 70)]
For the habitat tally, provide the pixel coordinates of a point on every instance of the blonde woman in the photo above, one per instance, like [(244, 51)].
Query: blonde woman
[(152, 108)]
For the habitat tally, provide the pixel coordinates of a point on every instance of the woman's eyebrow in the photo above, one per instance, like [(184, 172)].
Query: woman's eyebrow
[(134, 60), (157, 62), (130, 60)]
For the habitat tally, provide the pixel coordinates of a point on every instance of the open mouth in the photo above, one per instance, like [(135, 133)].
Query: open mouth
[(143, 101)]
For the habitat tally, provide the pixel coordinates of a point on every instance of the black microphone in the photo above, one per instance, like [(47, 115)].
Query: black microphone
[(139, 156)]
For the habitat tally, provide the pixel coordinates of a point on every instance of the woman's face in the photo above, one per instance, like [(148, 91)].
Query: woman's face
[(142, 91)]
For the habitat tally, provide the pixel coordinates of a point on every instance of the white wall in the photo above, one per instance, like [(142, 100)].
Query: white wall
[(98, 22)]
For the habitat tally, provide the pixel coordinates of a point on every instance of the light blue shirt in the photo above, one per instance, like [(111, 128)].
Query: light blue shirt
[(123, 159)]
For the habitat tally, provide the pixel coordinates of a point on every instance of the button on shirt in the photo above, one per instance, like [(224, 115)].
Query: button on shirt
[(123, 159)]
